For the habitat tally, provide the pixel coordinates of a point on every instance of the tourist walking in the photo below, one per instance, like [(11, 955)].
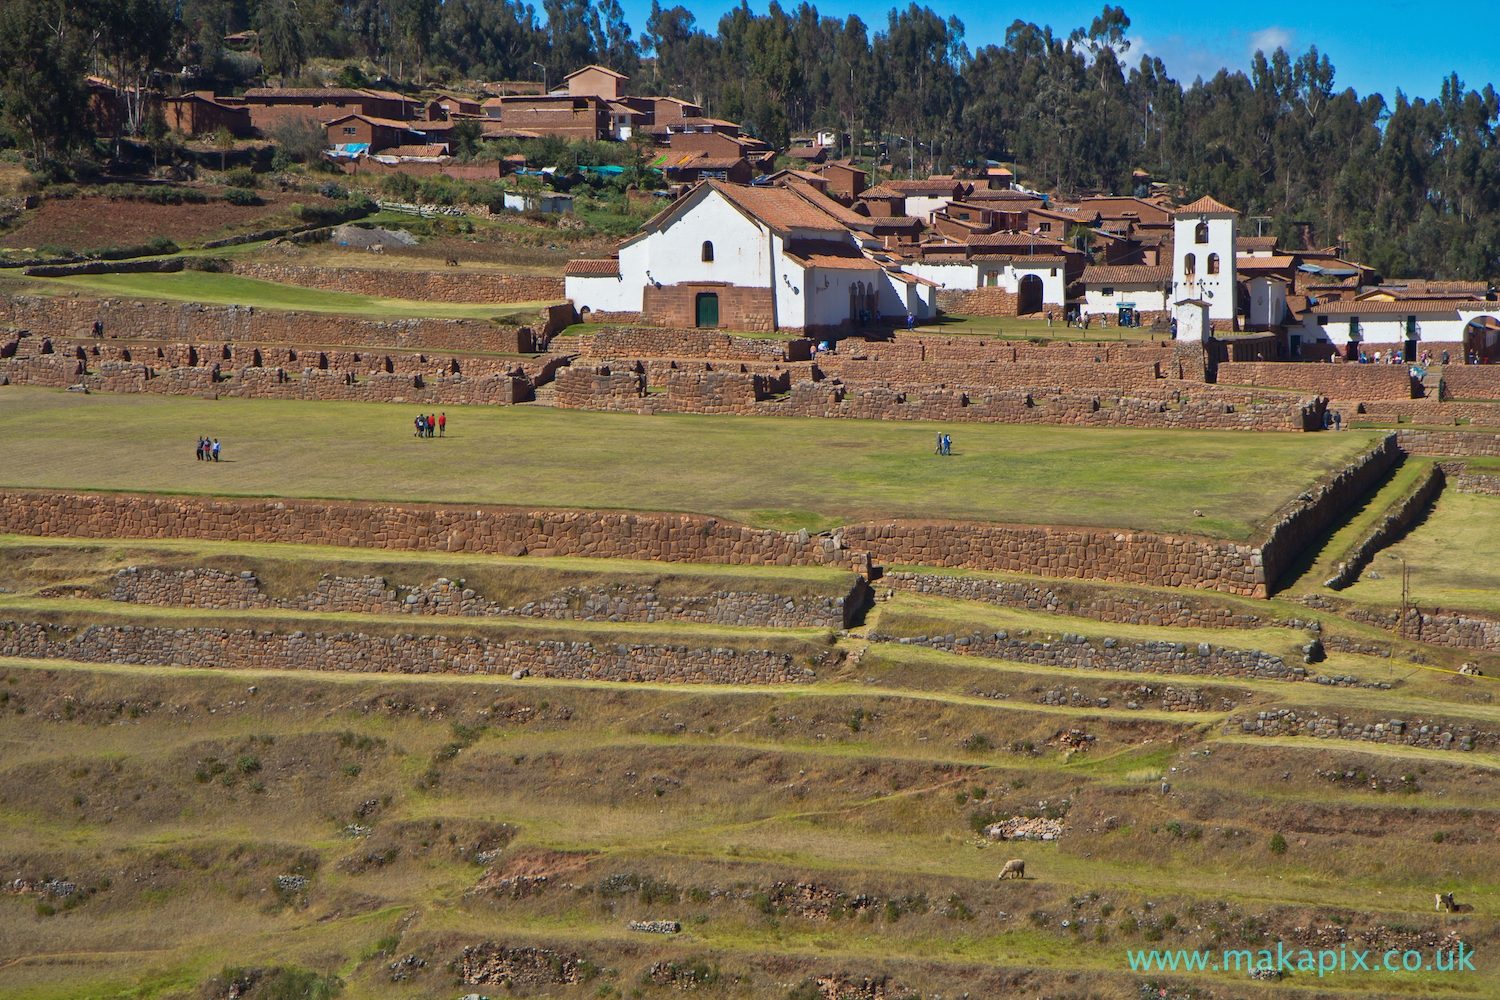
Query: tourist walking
[(947, 445), (939, 449), (200, 448), (421, 423), (216, 449), (442, 424)]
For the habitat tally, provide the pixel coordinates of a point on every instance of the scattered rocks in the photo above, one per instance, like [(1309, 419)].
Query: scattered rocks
[(656, 926)]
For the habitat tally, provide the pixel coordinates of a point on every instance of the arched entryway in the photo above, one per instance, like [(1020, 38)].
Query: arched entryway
[(1029, 295), (1482, 340)]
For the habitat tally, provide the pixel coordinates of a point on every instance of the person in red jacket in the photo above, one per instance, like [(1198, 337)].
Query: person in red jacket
[(442, 424)]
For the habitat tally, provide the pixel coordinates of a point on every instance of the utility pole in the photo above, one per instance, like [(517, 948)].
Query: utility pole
[(544, 77)]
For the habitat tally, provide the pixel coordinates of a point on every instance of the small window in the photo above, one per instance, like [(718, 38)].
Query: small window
[(1107, 291), (1322, 320), (1213, 263), (991, 279), (1189, 264), (1045, 227), (708, 252), (1200, 234), (350, 130)]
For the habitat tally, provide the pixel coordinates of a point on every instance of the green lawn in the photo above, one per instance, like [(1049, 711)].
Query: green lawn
[(1453, 555), (780, 472), (229, 289)]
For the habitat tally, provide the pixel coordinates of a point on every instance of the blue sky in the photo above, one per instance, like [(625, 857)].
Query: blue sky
[(1375, 45)]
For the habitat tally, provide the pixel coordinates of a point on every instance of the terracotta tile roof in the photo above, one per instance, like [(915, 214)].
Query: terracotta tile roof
[(1020, 260), (1255, 243), (1420, 307), (1264, 263), (778, 207), (388, 123), (881, 191), (702, 161), (1014, 240), (609, 268), (841, 263), (1127, 274), (937, 186), (598, 69), (1207, 206), (292, 93)]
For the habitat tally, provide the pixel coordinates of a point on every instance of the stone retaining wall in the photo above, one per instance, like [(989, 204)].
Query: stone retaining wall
[(1430, 411), (75, 316), (1471, 382), (626, 343), (1432, 734), (428, 654), (980, 302), (1459, 444), (1054, 376), (611, 389), (1390, 527), (1300, 523), (1455, 629), (395, 283), (1339, 381), (1079, 653), (216, 590), (1176, 612), (1079, 553)]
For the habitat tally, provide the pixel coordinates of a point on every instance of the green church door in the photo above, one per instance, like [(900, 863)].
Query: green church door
[(708, 309)]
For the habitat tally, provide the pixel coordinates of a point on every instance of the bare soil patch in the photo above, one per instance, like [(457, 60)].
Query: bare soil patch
[(89, 223)]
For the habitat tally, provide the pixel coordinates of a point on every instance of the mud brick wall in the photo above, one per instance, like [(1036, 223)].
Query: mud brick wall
[(1338, 381), (627, 342), (407, 654), (74, 316), (395, 283), (1064, 376), (1429, 733), (740, 308), (1078, 653), (1459, 444), (1176, 612), (1297, 525), (980, 301), (1471, 382)]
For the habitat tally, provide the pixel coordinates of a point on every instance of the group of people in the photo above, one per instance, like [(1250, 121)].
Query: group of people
[(208, 450), (431, 426), (944, 445)]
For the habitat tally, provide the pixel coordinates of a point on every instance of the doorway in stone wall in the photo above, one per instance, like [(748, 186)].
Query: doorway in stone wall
[(708, 309), (1029, 297)]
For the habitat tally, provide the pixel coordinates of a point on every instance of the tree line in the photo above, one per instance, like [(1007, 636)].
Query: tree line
[(1409, 186)]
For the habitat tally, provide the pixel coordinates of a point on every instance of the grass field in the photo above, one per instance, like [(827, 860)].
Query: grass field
[(229, 289), (1453, 555), (766, 471)]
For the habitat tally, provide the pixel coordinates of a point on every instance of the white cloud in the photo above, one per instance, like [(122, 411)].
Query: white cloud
[(1270, 39)]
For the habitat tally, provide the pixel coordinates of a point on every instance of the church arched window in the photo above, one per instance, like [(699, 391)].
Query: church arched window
[(708, 252), (1213, 263), (1200, 233), (1189, 264)]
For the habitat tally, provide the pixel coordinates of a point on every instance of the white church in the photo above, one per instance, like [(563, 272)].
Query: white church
[(752, 258)]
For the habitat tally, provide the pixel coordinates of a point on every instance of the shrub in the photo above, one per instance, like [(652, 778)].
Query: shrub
[(248, 763), (1128, 925), (1278, 844), (241, 177), (333, 190), (1439, 837), (978, 743), (240, 196), (303, 139), (45, 909)]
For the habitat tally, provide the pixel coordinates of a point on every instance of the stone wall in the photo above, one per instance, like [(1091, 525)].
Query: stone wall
[(1429, 411), (1459, 444), (608, 388), (1079, 653), (75, 316), (1061, 376), (213, 589), (1337, 381), (902, 346), (627, 343), (1456, 629), (259, 649), (979, 301), (1390, 527), (1124, 609), (740, 307), (1431, 734), (1077, 553), (1300, 523), (394, 283), (1465, 481), (1470, 382)]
